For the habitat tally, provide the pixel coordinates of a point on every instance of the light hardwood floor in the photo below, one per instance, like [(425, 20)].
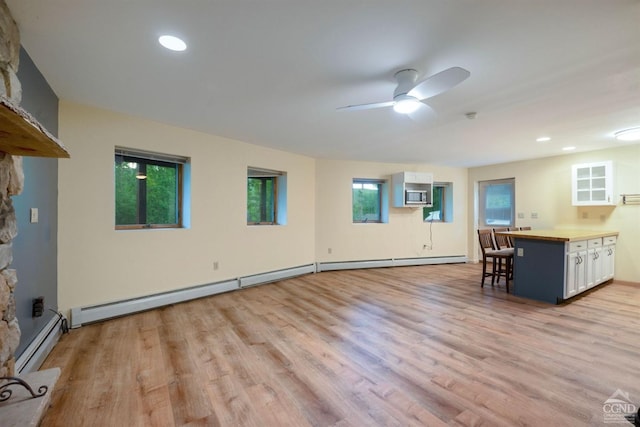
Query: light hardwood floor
[(382, 347)]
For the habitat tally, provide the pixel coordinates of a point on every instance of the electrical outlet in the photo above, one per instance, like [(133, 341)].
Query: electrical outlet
[(38, 307), (215, 265), (520, 215), (534, 215), (329, 251)]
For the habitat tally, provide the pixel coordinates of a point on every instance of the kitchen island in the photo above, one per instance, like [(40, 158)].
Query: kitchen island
[(555, 265)]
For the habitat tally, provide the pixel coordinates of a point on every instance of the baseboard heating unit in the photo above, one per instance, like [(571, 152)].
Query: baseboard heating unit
[(38, 350), (392, 262), (273, 276), (89, 314)]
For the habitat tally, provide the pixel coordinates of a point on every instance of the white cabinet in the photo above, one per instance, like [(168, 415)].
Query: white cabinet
[(412, 189), (594, 262), (592, 184), (415, 177), (576, 267), (588, 263), (608, 257)]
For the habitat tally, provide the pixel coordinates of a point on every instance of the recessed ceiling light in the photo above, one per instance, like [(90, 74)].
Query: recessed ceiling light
[(172, 43), (632, 134), (543, 139), (568, 148)]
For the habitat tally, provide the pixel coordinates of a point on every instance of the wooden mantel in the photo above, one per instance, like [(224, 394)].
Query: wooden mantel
[(21, 134)]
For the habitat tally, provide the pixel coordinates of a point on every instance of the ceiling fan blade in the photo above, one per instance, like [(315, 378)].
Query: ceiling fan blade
[(439, 82), (366, 106)]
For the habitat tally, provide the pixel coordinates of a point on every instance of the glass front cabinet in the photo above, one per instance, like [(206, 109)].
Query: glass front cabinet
[(592, 184)]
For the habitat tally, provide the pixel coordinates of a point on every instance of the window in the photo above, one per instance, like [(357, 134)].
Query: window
[(266, 197), (149, 189), (496, 202), (370, 200), (442, 209)]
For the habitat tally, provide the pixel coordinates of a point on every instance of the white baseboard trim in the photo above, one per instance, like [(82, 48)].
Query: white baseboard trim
[(393, 262), (34, 355), (89, 314), (258, 279)]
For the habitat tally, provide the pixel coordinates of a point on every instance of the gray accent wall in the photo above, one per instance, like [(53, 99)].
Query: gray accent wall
[(35, 252)]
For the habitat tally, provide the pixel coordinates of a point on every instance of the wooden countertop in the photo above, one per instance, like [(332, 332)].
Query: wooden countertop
[(558, 235)]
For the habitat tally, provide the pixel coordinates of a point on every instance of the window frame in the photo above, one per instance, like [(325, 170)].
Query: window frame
[(146, 158), (380, 183), (482, 208), (279, 198), (444, 189)]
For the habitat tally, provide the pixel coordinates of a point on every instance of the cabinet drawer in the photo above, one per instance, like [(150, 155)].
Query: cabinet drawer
[(580, 245), (610, 240), (594, 243)]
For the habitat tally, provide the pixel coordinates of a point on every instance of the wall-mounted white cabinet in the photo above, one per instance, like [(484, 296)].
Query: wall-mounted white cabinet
[(592, 184), (412, 189)]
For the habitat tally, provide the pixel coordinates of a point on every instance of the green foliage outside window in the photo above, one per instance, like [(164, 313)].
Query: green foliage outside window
[(366, 201), (261, 200), (436, 211), (153, 201)]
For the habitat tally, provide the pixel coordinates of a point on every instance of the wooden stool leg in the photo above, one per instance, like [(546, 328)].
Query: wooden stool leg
[(507, 273), (493, 271)]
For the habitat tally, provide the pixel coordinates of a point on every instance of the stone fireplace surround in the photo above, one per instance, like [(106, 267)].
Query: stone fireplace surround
[(20, 134)]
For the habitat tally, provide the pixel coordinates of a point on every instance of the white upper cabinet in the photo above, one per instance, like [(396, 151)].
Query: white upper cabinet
[(592, 184), (412, 189)]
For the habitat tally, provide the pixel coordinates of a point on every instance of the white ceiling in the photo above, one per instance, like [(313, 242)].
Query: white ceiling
[(273, 72)]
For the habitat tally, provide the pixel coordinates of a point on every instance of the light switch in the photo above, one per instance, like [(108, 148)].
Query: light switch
[(34, 215), (520, 251)]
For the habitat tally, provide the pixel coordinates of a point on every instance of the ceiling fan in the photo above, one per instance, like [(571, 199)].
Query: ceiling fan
[(410, 94)]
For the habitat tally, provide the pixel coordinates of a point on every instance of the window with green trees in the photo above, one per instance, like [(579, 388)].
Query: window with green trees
[(442, 207), (367, 200), (266, 197), (148, 190)]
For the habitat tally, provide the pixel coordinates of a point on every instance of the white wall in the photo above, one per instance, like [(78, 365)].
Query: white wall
[(98, 264), (403, 236), (543, 186)]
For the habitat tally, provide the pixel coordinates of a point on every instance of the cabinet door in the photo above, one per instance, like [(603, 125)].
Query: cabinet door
[(576, 280), (592, 184), (608, 262), (594, 267)]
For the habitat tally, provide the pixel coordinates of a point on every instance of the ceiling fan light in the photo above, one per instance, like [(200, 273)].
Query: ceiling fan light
[(172, 43), (406, 104), (632, 134)]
